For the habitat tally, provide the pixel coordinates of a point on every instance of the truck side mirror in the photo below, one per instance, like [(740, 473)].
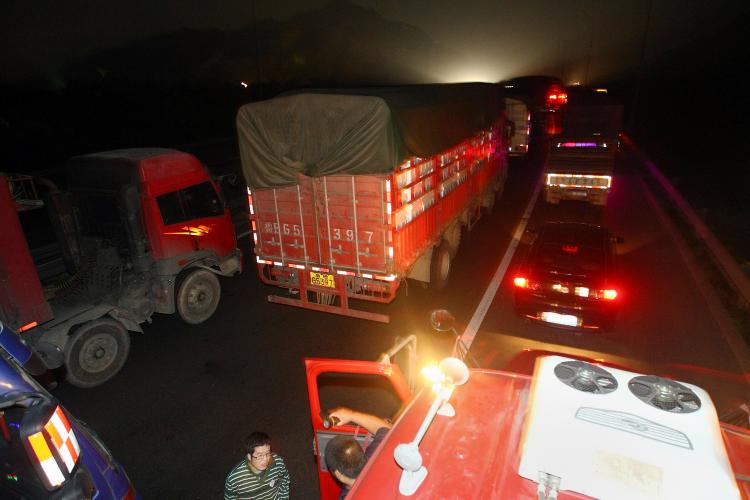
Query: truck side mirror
[(442, 320), (529, 237)]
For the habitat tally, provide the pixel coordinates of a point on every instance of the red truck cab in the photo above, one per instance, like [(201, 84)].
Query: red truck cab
[(573, 430), (137, 231)]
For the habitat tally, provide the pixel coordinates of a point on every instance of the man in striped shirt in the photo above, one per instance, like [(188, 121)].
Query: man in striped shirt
[(261, 475)]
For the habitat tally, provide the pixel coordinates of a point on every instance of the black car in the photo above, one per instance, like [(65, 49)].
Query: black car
[(568, 278)]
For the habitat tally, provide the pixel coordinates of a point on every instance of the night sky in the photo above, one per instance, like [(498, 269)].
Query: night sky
[(488, 40)]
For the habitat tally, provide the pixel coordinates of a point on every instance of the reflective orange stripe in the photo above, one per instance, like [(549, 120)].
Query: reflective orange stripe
[(39, 445), (52, 430)]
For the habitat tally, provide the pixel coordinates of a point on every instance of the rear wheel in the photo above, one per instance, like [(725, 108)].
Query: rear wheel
[(488, 201), (198, 294), (440, 267), (96, 352), (453, 237)]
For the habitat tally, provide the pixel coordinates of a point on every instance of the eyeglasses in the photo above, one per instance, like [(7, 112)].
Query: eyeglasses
[(261, 456)]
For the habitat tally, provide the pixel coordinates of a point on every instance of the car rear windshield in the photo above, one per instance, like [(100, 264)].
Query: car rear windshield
[(570, 258)]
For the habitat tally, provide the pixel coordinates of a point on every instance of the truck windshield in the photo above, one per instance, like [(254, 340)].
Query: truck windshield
[(194, 202)]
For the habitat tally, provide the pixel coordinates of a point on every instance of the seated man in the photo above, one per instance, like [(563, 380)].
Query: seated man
[(344, 457)]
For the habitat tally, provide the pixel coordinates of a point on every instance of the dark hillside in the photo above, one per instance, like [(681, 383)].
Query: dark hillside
[(185, 87)]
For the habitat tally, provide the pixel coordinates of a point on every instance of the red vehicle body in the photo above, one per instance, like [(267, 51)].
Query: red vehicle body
[(480, 451), (331, 238), (138, 231)]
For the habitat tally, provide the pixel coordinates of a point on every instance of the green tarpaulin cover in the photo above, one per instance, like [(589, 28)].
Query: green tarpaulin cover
[(357, 131)]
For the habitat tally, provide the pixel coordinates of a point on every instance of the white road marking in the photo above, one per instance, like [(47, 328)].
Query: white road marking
[(489, 294)]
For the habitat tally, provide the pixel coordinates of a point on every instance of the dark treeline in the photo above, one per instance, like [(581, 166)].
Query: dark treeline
[(41, 127)]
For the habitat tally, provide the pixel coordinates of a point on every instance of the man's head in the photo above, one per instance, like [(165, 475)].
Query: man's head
[(344, 458), (258, 449)]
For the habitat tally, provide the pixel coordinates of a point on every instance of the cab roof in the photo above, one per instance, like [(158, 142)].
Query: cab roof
[(476, 453), (472, 455), (110, 170)]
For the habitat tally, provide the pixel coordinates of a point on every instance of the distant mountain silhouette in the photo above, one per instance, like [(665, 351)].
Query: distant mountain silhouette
[(337, 44)]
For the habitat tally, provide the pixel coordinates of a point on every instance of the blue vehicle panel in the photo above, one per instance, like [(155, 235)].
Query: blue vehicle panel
[(44, 451)]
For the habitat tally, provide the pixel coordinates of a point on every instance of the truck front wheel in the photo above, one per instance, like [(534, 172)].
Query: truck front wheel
[(96, 352), (198, 294)]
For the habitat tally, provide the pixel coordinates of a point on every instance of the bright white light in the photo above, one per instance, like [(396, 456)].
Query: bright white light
[(243, 84)]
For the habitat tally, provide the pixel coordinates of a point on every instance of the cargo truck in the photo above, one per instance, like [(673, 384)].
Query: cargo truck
[(518, 122), (137, 231), (582, 158), (351, 192)]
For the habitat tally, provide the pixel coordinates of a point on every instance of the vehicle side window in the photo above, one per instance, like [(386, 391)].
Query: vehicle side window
[(171, 208), (201, 201)]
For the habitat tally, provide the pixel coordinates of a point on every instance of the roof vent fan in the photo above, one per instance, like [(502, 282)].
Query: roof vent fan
[(585, 377), (664, 394)]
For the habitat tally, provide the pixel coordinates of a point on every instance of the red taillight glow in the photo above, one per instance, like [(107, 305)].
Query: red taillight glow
[(556, 96), (609, 294), (521, 282)]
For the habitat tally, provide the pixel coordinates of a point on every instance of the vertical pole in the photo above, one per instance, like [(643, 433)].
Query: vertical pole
[(640, 71)]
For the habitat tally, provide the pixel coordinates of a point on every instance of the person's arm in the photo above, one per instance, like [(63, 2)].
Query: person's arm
[(370, 422), (284, 487), (229, 493)]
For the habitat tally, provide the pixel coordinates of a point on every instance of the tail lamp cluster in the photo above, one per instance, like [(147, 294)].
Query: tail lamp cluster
[(581, 291)]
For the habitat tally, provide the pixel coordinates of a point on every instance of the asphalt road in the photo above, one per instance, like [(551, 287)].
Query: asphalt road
[(176, 415)]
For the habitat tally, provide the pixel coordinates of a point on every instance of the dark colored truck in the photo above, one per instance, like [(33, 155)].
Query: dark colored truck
[(353, 191), (582, 158), (137, 231)]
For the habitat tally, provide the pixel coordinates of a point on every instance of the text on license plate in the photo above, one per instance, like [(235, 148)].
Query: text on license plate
[(560, 319), (580, 194), (322, 279)]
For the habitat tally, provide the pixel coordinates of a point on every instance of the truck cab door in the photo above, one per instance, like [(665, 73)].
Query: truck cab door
[(193, 219), (368, 386)]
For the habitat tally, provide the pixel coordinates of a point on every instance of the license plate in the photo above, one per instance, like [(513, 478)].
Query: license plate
[(580, 194), (560, 319), (322, 279)]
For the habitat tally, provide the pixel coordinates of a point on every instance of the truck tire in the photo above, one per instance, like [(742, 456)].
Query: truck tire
[(95, 352), (488, 201), (500, 189), (453, 237), (197, 296), (440, 267)]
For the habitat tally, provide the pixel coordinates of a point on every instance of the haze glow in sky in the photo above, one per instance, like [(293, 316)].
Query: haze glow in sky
[(491, 39)]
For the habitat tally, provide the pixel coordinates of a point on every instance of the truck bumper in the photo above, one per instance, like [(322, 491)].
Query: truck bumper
[(553, 194)]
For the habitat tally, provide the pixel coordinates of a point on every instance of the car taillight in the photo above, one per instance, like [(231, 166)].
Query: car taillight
[(607, 294), (521, 282)]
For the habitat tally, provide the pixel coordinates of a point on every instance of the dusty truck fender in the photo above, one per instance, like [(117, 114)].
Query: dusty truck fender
[(50, 339), (167, 270)]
